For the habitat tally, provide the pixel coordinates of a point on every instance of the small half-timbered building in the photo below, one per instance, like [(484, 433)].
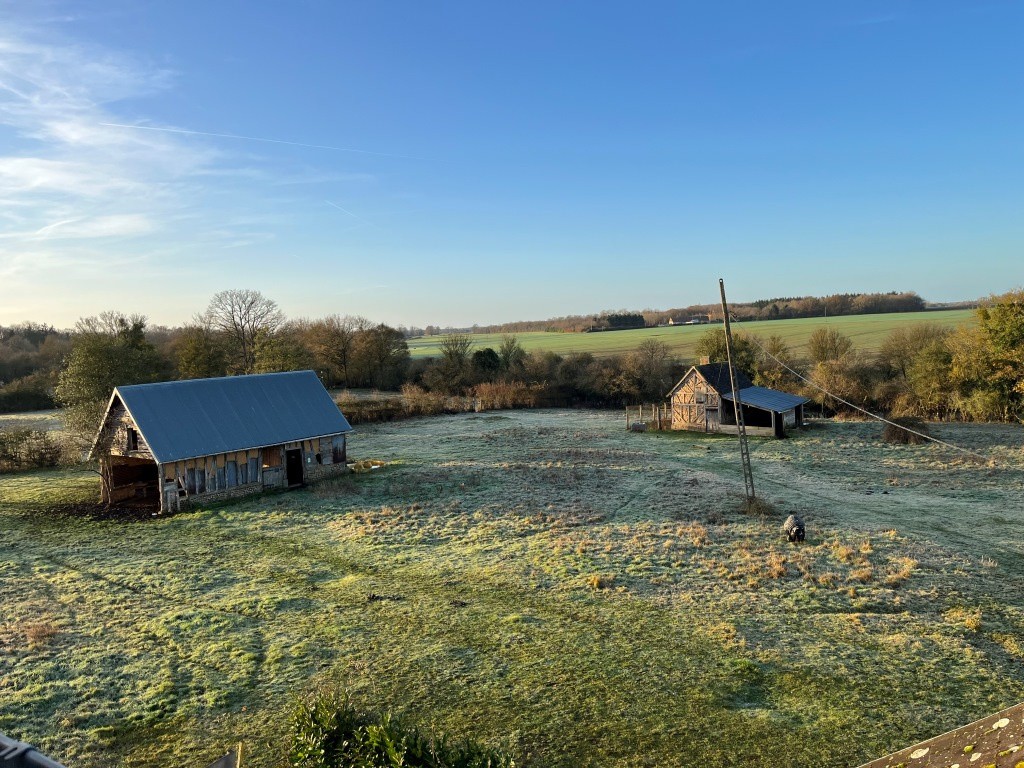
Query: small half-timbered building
[(702, 401), (178, 443)]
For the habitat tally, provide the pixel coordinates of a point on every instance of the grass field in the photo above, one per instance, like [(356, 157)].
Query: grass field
[(867, 332), (540, 580), (43, 421)]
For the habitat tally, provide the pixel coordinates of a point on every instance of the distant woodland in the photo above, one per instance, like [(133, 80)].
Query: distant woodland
[(763, 309), (924, 370)]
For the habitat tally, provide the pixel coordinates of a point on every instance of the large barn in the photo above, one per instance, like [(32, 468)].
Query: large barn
[(176, 443), (702, 401)]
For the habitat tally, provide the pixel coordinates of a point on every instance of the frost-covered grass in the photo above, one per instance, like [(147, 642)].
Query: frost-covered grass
[(541, 581), (44, 421)]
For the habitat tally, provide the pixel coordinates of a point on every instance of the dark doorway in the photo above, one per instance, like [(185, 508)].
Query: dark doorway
[(293, 467)]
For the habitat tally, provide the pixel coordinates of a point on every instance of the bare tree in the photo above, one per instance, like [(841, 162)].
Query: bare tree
[(333, 340), (649, 367), (241, 315)]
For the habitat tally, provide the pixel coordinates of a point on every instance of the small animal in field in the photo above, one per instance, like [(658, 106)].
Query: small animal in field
[(794, 528)]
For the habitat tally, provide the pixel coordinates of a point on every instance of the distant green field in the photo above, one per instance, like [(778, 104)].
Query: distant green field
[(867, 332)]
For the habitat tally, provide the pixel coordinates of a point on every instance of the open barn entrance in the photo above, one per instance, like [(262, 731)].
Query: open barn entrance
[(130, 481), (293, 467)]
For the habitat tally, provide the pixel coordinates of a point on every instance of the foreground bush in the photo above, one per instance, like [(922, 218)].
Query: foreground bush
[(328, 732)]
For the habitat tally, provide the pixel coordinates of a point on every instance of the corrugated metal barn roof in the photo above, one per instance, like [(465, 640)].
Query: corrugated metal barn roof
[(767, 399), (201, 417)]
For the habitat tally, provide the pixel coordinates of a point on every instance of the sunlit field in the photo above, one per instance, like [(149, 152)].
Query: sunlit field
[(541, 581), (867, 331)]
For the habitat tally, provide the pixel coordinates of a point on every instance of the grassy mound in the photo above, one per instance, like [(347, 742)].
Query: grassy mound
[(904, 434)]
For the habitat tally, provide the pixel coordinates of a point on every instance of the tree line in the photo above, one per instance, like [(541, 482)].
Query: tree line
[(927, 371), (974, 373), (762, 309)]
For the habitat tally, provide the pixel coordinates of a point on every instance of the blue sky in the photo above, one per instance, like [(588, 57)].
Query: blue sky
[(461, 162)]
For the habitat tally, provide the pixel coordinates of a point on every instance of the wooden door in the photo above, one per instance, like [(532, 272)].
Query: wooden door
[(713, 422)]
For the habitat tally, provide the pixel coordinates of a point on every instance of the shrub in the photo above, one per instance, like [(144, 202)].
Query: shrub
[(495, 395), (900, 435), (371, 411), (327, 731), (419, 402), (31, 393), (29, 449)]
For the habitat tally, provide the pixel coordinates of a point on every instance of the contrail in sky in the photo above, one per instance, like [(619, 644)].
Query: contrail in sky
[(345, 210), (252, 138)]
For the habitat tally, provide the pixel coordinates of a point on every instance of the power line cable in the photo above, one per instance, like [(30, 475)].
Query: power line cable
[(986, 459)]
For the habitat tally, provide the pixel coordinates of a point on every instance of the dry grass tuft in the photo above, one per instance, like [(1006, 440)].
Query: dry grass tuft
[(826, 579), (843, 552), (862, 574), (600, 580), (39, 634), (776, 565), (695, 532), (969, 617), (904, 567)]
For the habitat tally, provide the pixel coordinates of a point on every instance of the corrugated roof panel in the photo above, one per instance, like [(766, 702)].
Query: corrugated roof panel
[(200, 417), (768, 399), (717, 376)]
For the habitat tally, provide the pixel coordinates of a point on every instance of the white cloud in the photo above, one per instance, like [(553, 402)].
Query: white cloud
[(63, 178), (92, 192), (125, 225), (66, 177)]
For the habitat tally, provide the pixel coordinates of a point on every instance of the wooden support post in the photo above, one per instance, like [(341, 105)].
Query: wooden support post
[(748, 475)]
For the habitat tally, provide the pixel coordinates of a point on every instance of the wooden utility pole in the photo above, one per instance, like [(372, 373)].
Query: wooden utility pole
[(748, 477)]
